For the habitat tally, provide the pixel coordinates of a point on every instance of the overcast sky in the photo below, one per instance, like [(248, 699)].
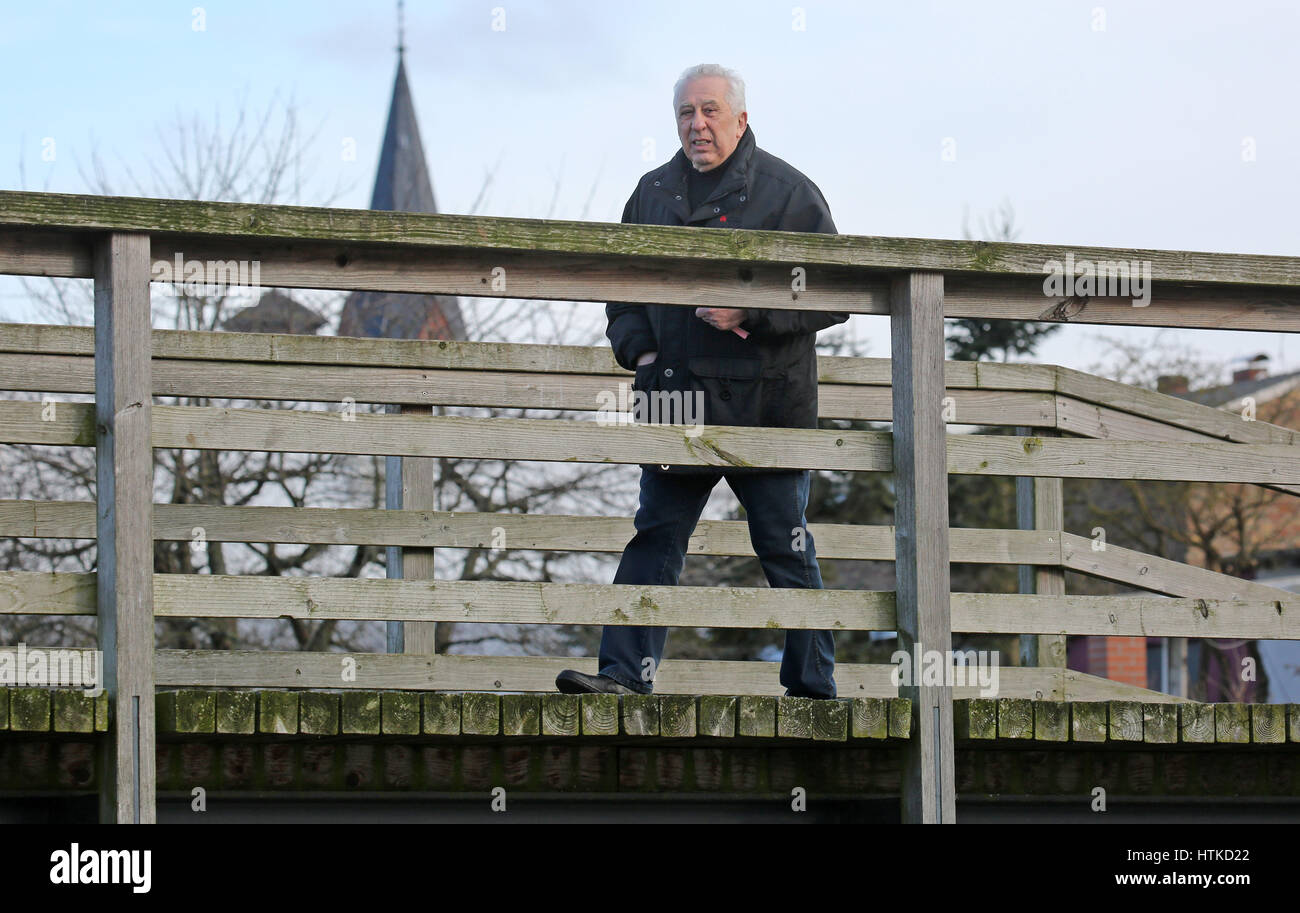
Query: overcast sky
[(1116, 124)]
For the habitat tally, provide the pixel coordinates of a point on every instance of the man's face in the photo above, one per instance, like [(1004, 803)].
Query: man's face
[(708, 128)]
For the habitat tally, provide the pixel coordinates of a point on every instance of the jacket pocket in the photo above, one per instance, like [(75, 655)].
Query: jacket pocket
[(732, 389)]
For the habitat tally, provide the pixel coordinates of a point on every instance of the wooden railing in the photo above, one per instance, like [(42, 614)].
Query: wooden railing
[(1072, 425)]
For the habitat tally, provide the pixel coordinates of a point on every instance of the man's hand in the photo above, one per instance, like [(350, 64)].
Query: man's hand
[(645, 358), (721, 318)]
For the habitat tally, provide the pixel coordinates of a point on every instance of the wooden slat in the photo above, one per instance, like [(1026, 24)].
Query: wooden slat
[(258, 224), (212, 428), (490, 389), (233, 596), (286, 349), (467, 529), (124, 479), (1171, 410), (755, 717), (1069, 458), (1159, 575), (921, 535), (1127, 616), (1040, 504), (1217, 307), (417, 562)]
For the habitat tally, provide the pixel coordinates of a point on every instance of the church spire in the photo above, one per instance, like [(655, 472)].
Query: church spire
[(402, 184)]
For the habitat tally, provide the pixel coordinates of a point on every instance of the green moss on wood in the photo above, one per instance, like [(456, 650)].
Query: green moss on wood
[(1160, 723), (640, 714), (277, 712), (74, 711), (4, 708), (237, 712), (1293, 722), (900, 718), (188, 710), (756, 716), (1232, 723), (360, 712), (29, 710), (442, 713), (830, 720), (1268, 723), (717, 716), (1125, 721), (1015, 718), (869, 718), (102, 711), (1051, 721), (480, 713), (400, 713), (677, 716), (794, 717), (318, 713), (1196, 723), (599, 714), (521, 714), (1088, 721), (560, 714)]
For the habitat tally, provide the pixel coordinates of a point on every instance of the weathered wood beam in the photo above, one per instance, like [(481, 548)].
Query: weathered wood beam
[(1040, 505), (468, 529), (924, 612), (124, 460), (185, 219)]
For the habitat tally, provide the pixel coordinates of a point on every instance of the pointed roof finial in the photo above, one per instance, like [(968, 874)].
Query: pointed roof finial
[(401, 31)]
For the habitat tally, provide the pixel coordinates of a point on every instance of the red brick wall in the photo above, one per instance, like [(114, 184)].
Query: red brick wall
[(1120, 659)]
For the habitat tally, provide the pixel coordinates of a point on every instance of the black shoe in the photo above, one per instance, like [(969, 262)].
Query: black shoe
[(571, 681)]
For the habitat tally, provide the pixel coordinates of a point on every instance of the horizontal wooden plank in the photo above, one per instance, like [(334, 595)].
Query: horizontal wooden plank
[(232, 596), (493, 389), (461, 529), (214, 428), (441, 672), (452, 355), (1004, 455), (317, 431), (1210, 307), (258, 224), (1127, 616)]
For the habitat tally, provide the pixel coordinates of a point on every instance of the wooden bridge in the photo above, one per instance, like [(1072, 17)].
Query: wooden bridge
[(880, 739)]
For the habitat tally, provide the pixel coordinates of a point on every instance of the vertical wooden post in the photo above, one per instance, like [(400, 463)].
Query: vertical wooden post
[(921, 540), (124, 524), (1040, 504), (409, 483)]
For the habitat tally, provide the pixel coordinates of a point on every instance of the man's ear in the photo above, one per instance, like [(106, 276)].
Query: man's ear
[(744, 120)]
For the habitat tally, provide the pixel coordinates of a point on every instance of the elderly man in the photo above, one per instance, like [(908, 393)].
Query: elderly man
[(748, 366)]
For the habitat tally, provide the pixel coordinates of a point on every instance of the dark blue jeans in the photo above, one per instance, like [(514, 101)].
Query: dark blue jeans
[(671, 504)]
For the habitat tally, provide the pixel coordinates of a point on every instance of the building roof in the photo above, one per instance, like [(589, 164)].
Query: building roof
[(276, 312), (1262, 388)]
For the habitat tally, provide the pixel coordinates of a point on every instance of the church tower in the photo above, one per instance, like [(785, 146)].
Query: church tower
[(402, 185)]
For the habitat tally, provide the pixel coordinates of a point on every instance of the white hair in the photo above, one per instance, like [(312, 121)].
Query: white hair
[(735, 85)]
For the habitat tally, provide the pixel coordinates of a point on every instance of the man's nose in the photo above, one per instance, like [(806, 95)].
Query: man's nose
[(699, 123)]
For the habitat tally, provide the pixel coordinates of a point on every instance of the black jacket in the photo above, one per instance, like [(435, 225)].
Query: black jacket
[(768, 379)]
